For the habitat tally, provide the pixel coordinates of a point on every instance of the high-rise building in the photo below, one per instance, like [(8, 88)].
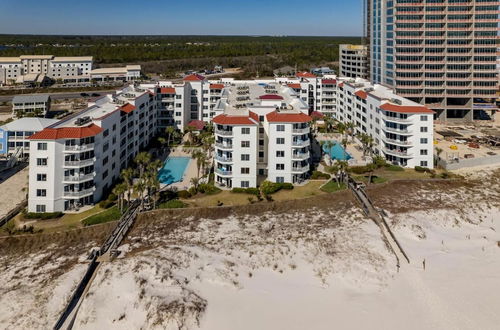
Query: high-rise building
[(441, 53), (353, 61)]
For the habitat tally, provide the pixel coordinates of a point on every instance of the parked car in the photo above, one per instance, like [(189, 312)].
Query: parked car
[(84, 94), (95, 94)]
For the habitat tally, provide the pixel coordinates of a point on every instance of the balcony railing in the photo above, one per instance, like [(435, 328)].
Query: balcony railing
[(397, 152), (223, 145), (223, 132), (80, 163), (304, 130), (81, 193), (300, 156), (82, 147), (396, 130), (300, 169), (223, 172), (300, 143), (396, 119), (79, 178), (224, 159), (399, 142)]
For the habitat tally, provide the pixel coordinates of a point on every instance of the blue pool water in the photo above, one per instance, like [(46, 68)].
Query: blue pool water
[(173, 169), (336, 152)]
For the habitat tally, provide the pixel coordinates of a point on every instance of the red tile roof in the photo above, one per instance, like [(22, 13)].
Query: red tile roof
[(167, 90), (294, 86), (328, 81), (281, 117), (305, 75), (361, 94), (67, 133), (226, 119), (197, 124), (194, 77), (216, 86), (271, 97), (405, 108), (128, 108)]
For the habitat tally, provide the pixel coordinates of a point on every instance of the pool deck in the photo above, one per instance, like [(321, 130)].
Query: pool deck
[(352, 148), (189, 173)]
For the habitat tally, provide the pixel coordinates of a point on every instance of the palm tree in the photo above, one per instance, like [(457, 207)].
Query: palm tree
[(196, 183), (119, 190), (128, 178), (201, 161), (170, 131), (329, 145), (163, 142), (350, 129), (140, 187), (142, 160)]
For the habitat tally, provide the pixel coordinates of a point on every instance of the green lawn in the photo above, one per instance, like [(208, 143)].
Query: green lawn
[(111, 214), (333, 186), (365, 177), (172, 204)]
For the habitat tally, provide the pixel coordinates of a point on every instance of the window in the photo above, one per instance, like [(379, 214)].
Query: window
[(245, 170), (245, 157), (245, 144), (423, 140), (105, 174), (280, 167), (423, 152), (41, 177), (423, 118), (40, 208), (42, 146), (41, 161), (105, 133), (245, 130), (280, 128), (423, 129), (280, 153), (280, 179), (245, 184), (105, 147), (280, 140), (41, 192), (423, 163)]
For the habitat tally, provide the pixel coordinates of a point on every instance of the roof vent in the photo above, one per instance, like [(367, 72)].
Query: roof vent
[(82, 121), (396, 101)]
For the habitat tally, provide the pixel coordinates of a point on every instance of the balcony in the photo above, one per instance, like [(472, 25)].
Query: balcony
[(396, 130), (300, 155), (304, 130), (223, 172), (397, 153), (79, 148), (79, 163), (397, 142), (79, 178), (300, 169), (300, 143), (223, 132), (396, 119), (226, 146), (223, 159), (79, 194)]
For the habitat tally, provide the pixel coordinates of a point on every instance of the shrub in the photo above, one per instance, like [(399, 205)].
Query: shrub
[(173, 204), (251, 191), (422, 169), (394, 168), (43, 216), (319, 175), (184, 194), (209, 189), (106, 204), (358, 169), (269, 188), (112, 197), (192, 191), (379, 161)]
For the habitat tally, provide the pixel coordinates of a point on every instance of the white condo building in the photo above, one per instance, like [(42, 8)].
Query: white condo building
[(402, 129), (75, 161), (262, 132)]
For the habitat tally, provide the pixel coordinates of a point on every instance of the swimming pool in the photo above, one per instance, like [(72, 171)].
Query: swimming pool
[(173, 169), (336, 151)]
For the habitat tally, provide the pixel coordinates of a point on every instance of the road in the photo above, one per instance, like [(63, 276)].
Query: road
[(59, 95)]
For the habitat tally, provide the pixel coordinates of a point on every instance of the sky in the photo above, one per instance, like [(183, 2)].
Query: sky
[(182, 17)]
